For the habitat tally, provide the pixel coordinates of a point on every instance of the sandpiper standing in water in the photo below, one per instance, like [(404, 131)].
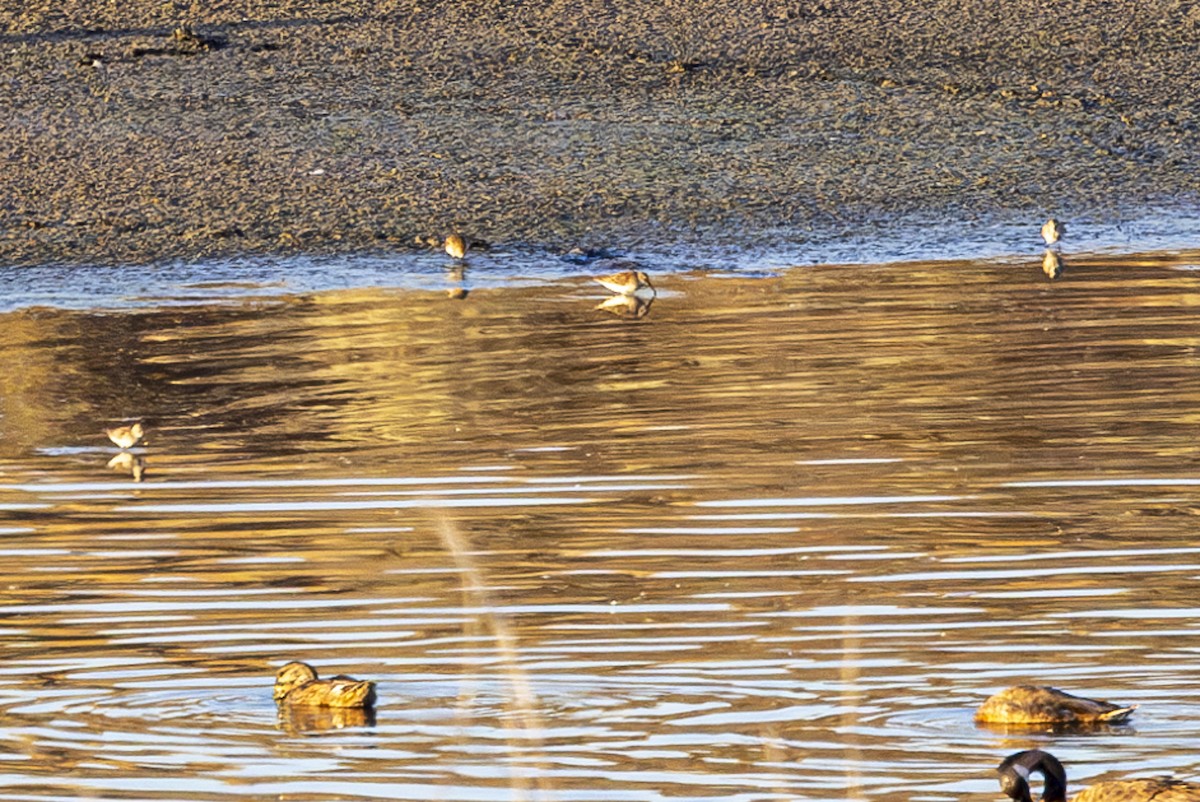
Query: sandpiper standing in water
[(126, 436), (628, 282), (456, 246), (1052, 231)]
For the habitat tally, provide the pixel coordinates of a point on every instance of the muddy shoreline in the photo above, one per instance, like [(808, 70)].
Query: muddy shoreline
[(164, 132)]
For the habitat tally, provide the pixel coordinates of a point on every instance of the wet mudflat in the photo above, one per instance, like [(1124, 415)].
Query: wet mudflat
[(774, 538), (138, 132)]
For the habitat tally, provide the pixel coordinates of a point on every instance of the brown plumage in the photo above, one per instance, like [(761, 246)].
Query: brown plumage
[(126, 436), (297, 684), (1040, 704), (456, 246), (628, 282), (1014, 781), (1052, 231)]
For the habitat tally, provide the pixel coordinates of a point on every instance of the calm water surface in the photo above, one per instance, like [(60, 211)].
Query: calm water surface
[(773, 539)]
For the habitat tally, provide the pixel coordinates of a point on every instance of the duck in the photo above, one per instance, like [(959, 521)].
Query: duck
[(297, 683), (1014, 782), (627, 282), (1041, 704), (126, 436), (1052, 231)]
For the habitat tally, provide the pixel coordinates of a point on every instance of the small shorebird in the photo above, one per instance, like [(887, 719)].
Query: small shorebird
[(1052, 231), (126, 436), (297, 684), (1015, 769), (627, 282), (1052, 264), (456, 246), (1041, 704)]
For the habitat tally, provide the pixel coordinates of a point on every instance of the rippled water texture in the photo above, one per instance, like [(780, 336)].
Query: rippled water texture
[(772, 537)]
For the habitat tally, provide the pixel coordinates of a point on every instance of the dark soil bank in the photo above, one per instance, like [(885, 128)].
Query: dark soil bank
[(149, 130)]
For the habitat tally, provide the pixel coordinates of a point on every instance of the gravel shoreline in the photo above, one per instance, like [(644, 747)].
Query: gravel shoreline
[(151, 132)]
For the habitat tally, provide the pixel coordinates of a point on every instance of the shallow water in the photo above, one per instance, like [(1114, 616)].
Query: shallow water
[(773, 539)]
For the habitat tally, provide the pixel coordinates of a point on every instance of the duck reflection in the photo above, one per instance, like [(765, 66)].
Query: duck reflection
[(131, 464), (627, 306), (310, 718)]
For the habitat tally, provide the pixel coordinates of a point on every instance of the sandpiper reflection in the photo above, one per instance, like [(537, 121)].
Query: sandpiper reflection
[(627, 306), (457, 275), (1052, 264), (131, 464)]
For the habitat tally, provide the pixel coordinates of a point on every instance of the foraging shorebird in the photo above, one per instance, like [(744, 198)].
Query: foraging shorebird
[(126, 436), (296, 683), (1052, 231), (627, 282), (1041, 704), (456, 246), (1014, 782)]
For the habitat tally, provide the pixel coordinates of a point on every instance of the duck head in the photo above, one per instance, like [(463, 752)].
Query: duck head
[(291, 676)]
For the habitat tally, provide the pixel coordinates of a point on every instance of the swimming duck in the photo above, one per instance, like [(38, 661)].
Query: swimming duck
[(297, 684), (627, 282), (126, 436), (1052, 231), (1014, 781), (1040, 704)]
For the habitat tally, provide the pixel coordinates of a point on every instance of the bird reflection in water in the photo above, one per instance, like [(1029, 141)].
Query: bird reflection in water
[(309, 718), (131, 464), (627, 306), (1052, 264), (457, 275)]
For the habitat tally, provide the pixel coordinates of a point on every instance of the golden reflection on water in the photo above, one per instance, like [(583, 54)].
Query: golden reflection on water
[(774, 538)]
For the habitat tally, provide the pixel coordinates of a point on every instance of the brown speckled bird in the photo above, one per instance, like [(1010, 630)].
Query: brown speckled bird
[(297, 684), (456, 246), (1052, 231), (628, 282), (1014, 781), (1040, 704), (126, 436)]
